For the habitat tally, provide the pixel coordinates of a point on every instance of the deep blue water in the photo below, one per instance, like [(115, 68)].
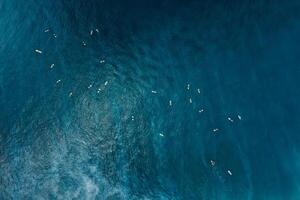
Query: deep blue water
[(91, 127)]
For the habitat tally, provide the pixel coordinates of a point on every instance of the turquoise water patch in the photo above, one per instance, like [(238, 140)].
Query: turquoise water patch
[(149, 100)]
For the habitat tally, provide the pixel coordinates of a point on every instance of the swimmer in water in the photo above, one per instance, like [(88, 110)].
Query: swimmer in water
[(229, 172), (215, 130), (38, 51)]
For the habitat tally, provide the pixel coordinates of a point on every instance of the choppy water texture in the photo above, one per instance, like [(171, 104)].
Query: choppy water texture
[(119, 115)]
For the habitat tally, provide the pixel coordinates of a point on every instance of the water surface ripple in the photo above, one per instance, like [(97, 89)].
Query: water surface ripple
[(149, 99)]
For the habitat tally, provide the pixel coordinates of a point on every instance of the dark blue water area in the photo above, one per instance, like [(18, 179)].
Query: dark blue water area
[(99, 124)]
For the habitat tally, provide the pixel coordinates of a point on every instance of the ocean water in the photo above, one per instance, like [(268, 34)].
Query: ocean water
[(119, 115)]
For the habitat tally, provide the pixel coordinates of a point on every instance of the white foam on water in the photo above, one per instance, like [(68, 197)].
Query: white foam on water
[(91, 189)]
